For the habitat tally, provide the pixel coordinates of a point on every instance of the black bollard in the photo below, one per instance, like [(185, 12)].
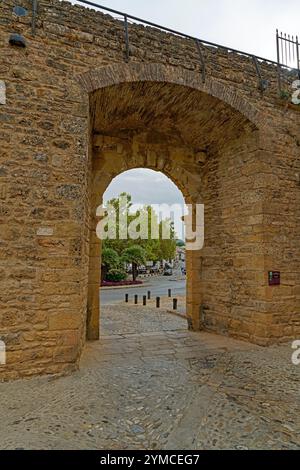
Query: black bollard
[(144, 300), (149, 295), (157, 302), (175, 304), (170, 293), (126, 298), (136, 299)]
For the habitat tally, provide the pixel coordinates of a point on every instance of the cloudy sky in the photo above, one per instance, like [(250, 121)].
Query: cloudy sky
[(149, 187), (247, 25)]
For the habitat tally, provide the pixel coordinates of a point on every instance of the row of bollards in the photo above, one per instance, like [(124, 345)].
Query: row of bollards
[(148, 297)]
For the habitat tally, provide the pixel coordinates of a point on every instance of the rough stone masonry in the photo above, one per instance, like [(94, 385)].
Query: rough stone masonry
[(75, 113)]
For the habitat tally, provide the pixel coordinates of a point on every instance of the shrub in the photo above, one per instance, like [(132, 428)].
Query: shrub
[(121, 283), (116, 275)]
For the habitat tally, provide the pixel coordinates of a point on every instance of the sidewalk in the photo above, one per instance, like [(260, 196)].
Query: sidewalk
[(149, 383)]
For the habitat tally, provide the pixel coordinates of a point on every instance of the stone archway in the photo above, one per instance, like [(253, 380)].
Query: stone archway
[(105, 169), (117, 74), (242, 142), (165, 119)]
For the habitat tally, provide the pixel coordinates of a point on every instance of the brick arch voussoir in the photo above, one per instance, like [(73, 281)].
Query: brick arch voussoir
[(116, 74)]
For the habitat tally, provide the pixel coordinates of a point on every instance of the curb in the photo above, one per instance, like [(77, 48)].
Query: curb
[(125, 287)]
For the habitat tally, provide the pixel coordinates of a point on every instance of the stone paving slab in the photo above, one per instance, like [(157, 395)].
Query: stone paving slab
[(154, 385)]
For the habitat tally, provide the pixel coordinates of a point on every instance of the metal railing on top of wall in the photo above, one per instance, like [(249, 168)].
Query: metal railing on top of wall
[(280, 64)]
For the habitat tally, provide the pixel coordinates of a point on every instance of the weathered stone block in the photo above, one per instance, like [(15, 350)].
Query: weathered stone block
[(64, 321)]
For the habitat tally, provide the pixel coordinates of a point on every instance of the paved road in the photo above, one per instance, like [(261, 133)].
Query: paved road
[(157, 285), (151, 384)]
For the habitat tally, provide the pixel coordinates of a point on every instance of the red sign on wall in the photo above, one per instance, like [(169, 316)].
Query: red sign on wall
[(274, 278)]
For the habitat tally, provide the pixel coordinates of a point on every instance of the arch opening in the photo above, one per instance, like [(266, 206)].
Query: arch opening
[(192, 137), (145, 214)]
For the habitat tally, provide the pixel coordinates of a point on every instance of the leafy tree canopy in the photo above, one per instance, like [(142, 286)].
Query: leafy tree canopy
[(110, 258), (146, 222)]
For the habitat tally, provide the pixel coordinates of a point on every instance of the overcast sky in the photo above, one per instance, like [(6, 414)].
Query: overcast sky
[(148, 187), (247, 25)]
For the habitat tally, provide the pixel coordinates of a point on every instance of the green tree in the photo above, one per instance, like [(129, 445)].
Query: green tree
[(146, 220), (110, 261), (167, 246), (136, 255), (123, 216)]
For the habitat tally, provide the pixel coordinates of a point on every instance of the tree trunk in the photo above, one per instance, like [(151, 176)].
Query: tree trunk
[(104, 271), (134, 271)]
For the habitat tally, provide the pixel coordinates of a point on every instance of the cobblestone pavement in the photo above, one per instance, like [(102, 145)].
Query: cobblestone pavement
[(151, 384)]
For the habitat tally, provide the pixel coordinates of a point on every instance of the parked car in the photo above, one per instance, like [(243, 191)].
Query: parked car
[(129, 269), (142, 270), (168, 271), (154, 270)]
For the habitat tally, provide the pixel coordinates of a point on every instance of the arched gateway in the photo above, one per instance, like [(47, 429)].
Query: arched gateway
[(161, 118), (76, 116)]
